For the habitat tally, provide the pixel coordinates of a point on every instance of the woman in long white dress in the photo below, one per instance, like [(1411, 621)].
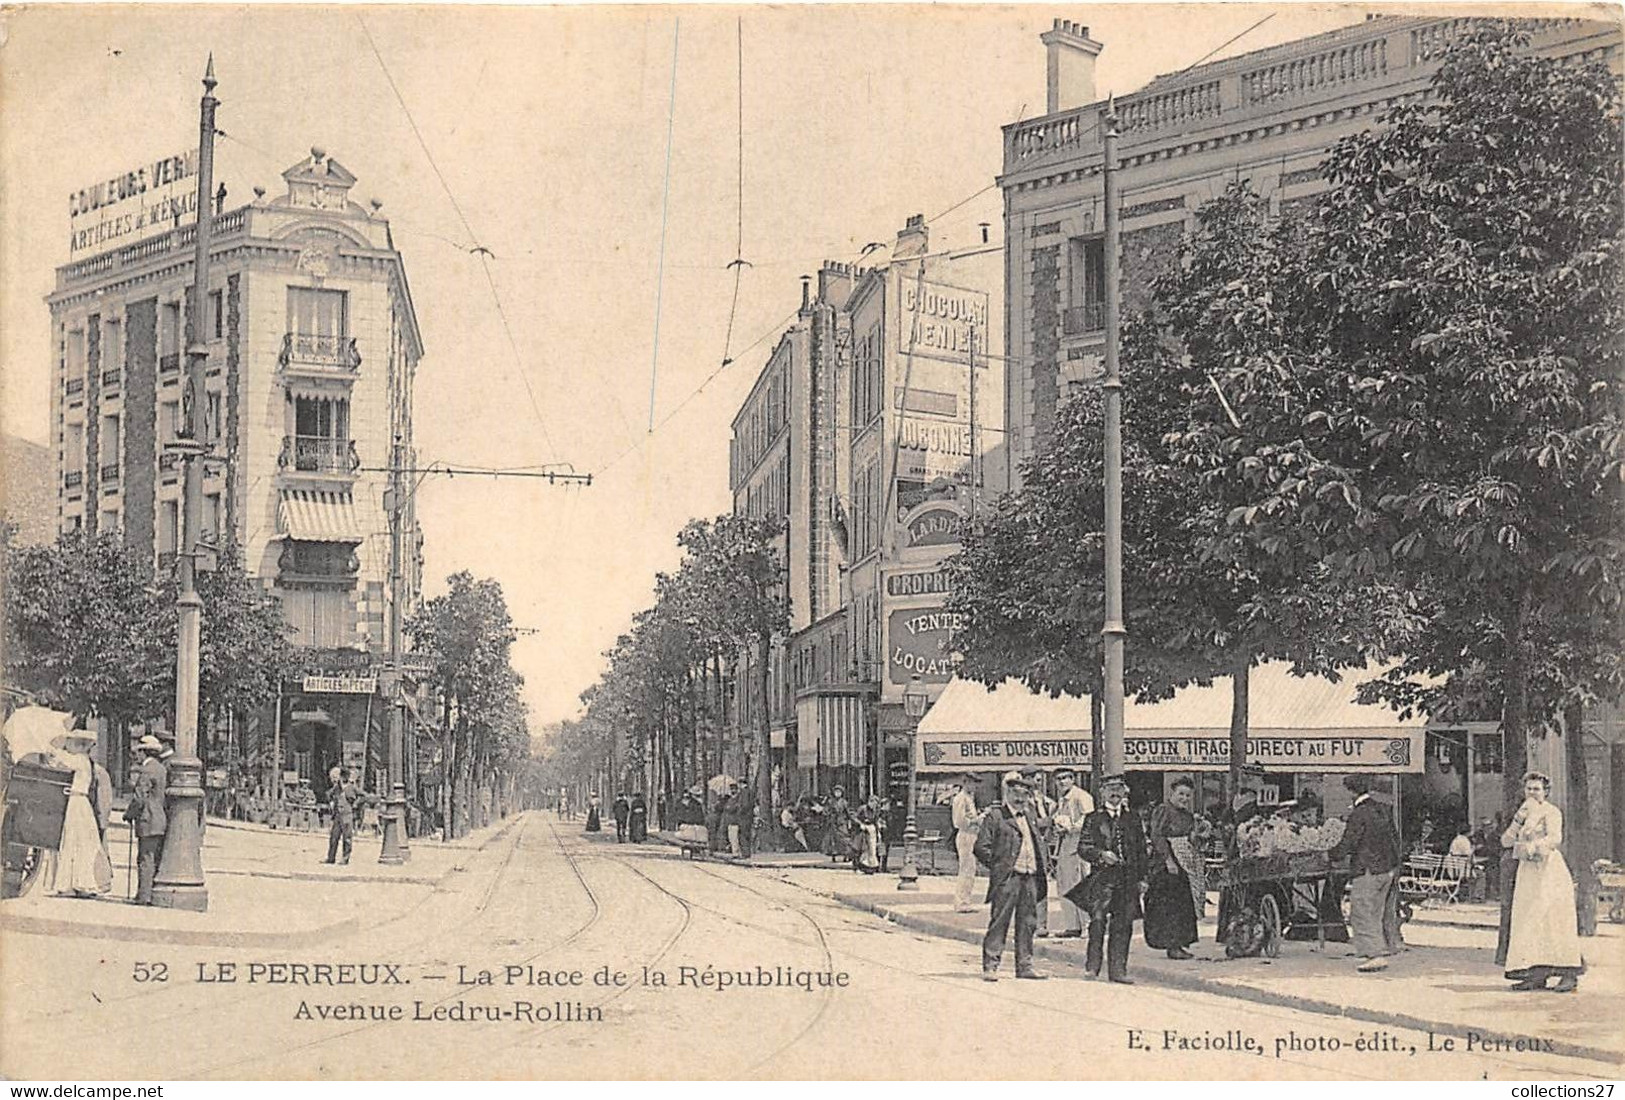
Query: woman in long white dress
[(82, 867), (1544, 940)]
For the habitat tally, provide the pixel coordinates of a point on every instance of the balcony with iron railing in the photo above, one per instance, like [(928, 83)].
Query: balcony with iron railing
[(74, 386), (111, 377), (324, 353), (1083, 320), (72, 479), (169, 362), (110, 471), (169, 461), (317, 454)]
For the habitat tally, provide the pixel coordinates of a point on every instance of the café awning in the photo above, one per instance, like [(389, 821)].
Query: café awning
[(830, 730), (1295, 724), (315, 515)]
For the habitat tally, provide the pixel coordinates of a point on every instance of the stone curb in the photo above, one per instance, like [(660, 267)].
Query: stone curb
[(814, 861), (1196, 983), (27, 924)]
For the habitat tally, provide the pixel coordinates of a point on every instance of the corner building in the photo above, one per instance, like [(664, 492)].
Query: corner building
[(313, 344)]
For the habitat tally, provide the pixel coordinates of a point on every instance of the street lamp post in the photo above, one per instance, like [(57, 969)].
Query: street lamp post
[(395, 848), (1113, 630), (914, 702), (178, 883)]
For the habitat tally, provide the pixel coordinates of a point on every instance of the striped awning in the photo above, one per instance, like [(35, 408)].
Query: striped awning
[(313, 515), (830, 730)]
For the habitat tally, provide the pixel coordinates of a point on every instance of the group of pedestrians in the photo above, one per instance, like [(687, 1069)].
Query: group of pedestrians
[(631, 816), (1098, 858)]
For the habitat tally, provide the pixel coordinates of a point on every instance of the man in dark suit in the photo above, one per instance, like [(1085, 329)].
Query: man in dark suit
[(1113, 845), (620, 810), (147, 815), (1371, 845), (1008, 844), (347, 797)]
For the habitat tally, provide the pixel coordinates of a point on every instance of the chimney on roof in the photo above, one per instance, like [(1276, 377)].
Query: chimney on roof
[(914, 239), (1070, 72)]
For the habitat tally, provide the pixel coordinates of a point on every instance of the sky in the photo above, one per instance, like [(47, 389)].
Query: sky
[(544, 135)]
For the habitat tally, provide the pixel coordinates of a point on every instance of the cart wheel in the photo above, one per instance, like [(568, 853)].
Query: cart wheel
[(1269, 910), (1406, 911)]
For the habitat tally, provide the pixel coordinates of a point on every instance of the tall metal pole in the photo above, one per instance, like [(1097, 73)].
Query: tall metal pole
[(1113, 632), (975, 451), (395, 848), (179, 881)]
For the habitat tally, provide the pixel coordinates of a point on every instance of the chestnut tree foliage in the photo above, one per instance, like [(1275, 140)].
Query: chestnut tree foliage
[(1417, 452)]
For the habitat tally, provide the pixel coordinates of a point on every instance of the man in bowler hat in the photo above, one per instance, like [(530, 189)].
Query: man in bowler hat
[(1010, 846), (1113, 845)]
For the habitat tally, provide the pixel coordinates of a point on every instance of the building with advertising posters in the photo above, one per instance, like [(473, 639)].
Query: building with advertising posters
[(874, 429), (313, 343)]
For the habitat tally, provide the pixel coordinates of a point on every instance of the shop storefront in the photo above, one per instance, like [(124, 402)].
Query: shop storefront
[(1304, 733), (331, 716)]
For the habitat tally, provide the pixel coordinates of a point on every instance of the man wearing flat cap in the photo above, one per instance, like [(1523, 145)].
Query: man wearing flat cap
[(1072, 810), (146, 813), (1113, 844), (1011, 847)]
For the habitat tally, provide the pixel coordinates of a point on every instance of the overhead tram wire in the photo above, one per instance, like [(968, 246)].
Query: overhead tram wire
[(665, 205), (739, 262), (477, 248), (779, 325)]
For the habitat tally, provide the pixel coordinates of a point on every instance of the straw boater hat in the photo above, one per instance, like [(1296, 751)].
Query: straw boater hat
[(79, 741), (150, 743)]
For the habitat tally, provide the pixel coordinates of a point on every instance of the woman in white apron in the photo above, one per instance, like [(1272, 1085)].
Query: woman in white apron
[(1545, 939)]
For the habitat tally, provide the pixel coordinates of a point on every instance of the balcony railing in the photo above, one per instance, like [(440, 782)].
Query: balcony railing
[(110, 377), (334, 352), (1079, 320), (73, 479), (169, 460), (316, 454), (169, 363), (110, 472), (75, 386)]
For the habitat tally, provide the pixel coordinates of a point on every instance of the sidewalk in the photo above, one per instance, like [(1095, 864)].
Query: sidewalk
[(267, 888), (1446, 980)]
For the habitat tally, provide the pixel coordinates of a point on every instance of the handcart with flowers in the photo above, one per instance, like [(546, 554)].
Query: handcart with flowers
[(1281, 884)]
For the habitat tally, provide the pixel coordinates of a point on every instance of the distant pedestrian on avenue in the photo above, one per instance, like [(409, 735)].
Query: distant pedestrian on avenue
[(147, 815), (1113, 844), (866, 840), (638, 819), (620, 810), (1371, 844), (1543, 941), (593, 824), (346, 798), (1008, 845), (838, 834), (1072, 809), (691, 820), (966, 821), (1176, 885)]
